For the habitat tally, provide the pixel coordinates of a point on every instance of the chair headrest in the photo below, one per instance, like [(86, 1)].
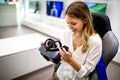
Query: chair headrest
[(101, 23)]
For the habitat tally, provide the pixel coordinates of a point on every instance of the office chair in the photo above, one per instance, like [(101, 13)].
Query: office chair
[(110, 43)]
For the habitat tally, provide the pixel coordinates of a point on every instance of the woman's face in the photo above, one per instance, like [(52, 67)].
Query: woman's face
[(74, 24)]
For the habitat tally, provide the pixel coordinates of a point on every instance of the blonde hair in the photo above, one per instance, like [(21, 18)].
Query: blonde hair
[(80, 10)]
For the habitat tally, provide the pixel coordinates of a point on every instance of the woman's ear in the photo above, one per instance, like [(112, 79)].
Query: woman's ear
[(85, 20)]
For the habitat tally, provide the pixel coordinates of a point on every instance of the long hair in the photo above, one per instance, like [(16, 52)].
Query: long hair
[(81, 11)]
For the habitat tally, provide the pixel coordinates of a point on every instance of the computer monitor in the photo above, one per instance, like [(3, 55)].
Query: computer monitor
[(97, 7), (54, 8)]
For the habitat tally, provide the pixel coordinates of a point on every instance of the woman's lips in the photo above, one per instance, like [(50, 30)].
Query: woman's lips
[(73, 30)]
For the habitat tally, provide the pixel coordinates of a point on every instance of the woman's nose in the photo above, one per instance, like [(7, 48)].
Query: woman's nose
[(70, 26)]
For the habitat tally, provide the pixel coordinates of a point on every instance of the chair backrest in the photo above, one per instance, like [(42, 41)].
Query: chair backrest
[(110, 43)]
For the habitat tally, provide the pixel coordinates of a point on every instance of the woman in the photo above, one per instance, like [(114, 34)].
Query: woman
[(84, 44)]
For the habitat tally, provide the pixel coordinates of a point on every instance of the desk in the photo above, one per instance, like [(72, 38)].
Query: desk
[(13, 45), (19, 55)]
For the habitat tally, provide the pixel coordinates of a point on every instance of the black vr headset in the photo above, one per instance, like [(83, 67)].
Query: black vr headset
[(50, 50)]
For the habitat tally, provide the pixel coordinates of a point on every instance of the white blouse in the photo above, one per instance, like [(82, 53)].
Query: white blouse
[(87, 60)]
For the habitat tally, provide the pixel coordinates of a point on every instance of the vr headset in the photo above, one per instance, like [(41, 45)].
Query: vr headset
[(50, 50)]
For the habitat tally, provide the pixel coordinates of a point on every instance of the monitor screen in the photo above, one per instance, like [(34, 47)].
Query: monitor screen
[(97, 7), (54, 8)]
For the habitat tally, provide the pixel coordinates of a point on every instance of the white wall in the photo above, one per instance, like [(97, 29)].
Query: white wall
[(112, 11)]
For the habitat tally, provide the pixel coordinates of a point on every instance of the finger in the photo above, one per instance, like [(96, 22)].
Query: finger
[(62, 58), (64, 50), (67, 53), (41, 43), (60, 52)]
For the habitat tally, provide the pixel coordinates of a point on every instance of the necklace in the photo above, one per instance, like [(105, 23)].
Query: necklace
[(76, 42)]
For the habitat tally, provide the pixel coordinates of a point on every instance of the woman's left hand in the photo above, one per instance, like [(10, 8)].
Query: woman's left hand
[(65, 55)]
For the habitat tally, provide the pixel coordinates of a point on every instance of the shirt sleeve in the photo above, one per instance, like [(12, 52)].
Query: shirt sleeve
[(92, 58)]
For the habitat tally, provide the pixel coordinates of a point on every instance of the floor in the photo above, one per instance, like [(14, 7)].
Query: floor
[(113, 69), (42, 74)]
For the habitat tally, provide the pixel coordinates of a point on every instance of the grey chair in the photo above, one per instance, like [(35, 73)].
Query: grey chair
[(110, 43)]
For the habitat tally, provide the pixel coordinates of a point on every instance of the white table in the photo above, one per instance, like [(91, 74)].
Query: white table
[(20, 55)]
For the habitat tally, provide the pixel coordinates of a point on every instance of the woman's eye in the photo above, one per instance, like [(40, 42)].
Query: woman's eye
[(73, 23), (67, 22)]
